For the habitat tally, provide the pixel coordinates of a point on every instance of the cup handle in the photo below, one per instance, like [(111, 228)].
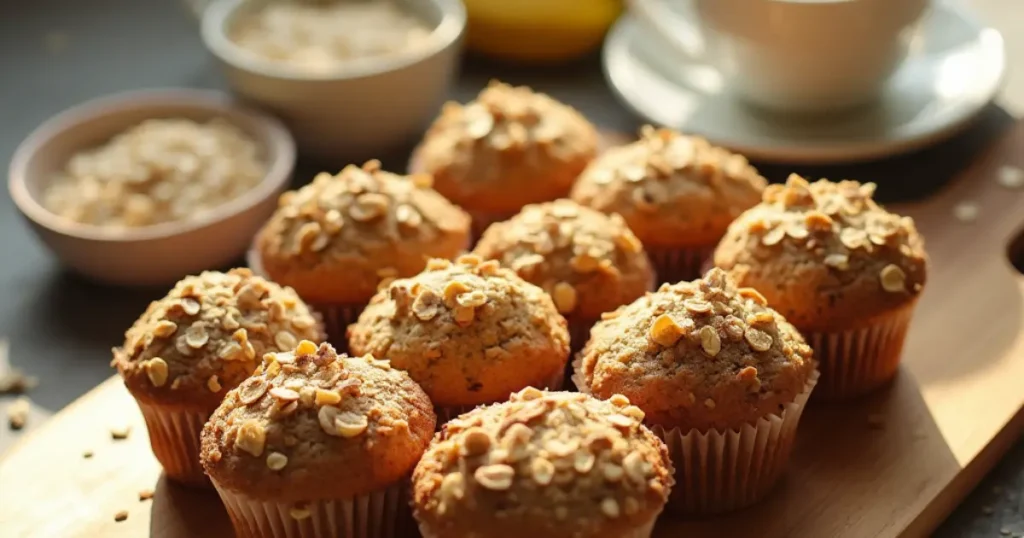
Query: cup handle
[(683, 34)]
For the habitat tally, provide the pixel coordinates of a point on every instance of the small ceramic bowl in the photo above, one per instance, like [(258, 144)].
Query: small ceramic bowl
[(364, 108), (162, 253)]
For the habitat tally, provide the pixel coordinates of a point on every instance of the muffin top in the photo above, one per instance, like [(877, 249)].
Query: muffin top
[(825, 254), (312, 424), (336, 238), (543, 464), (207, 335), (699, 354), (468, 332), (589, 262), (508, 148), (673, 190)]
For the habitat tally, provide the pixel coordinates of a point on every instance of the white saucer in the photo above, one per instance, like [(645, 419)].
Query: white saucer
[(954, 70)]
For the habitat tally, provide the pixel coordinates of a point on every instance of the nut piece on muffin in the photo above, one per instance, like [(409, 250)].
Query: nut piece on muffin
[(311, 438), (337, 238), (468, 332), (544, 465), (590, 263), (508, 148), (846, 272), (677, 193), (198, 342), (714, 369)]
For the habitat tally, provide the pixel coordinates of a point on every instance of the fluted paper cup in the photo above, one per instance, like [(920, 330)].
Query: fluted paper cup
[(674, 264), (174, 436)]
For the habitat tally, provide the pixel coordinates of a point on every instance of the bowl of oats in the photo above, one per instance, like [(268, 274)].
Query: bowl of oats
[(350, 78), (145, 187)]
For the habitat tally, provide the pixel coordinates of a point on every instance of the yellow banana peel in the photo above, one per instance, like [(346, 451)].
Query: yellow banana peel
[(538, 31)]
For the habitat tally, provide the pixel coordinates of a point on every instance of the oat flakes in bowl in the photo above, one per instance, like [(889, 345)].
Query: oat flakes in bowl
[(139, 240)]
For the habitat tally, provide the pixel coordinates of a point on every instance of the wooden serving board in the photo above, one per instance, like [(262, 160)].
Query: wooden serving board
[(893, 464)]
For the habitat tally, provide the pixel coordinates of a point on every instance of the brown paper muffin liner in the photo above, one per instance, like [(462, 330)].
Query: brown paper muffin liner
[(643, 531), (381, 514), (678, 264), (444, 414), (174, 436), (856, 362), (721, 471)]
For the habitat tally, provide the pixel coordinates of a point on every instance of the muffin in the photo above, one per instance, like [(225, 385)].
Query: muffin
[(589, 262), (318, 445), (843, 270), (509, 148), (335, 240), (677, 193), (468, 332), (721, 377), (543, 465), (194, 345)]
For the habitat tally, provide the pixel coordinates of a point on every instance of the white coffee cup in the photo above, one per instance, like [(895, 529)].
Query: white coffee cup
[(791, 55)]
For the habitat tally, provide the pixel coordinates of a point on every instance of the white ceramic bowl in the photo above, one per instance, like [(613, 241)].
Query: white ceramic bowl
[(163, 253), (367, 106)]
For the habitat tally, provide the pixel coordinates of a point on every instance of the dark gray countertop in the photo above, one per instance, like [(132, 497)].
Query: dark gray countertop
[(54, 54)]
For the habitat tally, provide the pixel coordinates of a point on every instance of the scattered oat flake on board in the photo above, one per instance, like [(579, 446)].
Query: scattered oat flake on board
[(17, 413), (12, 380), (120, 432), (87, 454), (1010, 177), (121, 516), (966, 212), (145, 495)]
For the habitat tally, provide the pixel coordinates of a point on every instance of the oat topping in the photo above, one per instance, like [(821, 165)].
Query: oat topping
[(710, 339), (682, 183), (581, 257), (544, 454), (472, 146), (298, 401), (208, 333), (839, 225), (319, 37), (358, 212), (160, 170), (456, 313)]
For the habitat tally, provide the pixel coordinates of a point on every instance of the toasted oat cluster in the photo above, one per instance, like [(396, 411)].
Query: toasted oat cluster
[(307, 409), (469, 331), (512, 136), (837, 224), (356, 211), (160, 170), (708, 339), (565, 460), (667, 183), (587, 261), (206, 335), (321, 36)]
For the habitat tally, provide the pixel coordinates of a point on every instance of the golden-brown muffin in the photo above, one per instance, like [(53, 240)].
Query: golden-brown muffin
[(468, 332), (336, 239), (677, 193), (590, 263), (842, 269), (198, 342), (313, 434), (508, 148), (703, 359), (544, 465)]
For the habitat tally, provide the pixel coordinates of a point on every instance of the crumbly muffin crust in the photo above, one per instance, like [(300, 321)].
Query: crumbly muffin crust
[(311, 424), (207, 335), (335, 239), (701, 354), (589, 263), (543, 464), (672, 190), (825, 254), (468, 332), (508, 148)]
